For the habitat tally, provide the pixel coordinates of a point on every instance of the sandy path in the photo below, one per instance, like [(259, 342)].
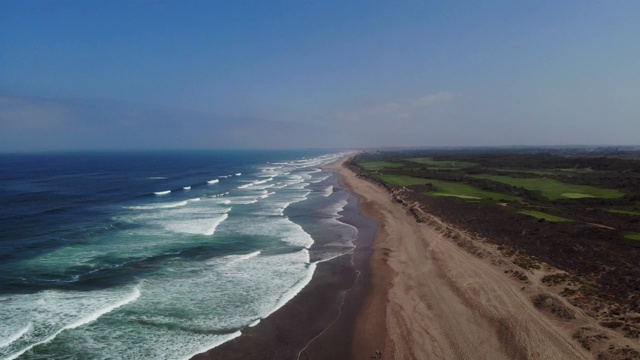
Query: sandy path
[(430, 299)]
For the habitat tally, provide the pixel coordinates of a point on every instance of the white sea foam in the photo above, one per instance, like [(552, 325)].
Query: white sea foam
[(299, 186), (196, 225), (244, 295), (254, 323), (293, 181), (266, 195), (156, 177), (233, 259), (338, 207), (135, 294), (159, 206), (262, 187), (214, 181), (194, 199), (186, 187), (215, 224), (258, 182), (245, 186), (321, 179), (270, 168), (238, 174), (74, 320), (291, 293), (16, 336), (244, 200), (328, 191), (280, 202), (223, 339), (162, 192), (279, 228)]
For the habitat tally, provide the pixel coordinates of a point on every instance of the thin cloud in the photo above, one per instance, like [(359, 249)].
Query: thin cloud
[(405, 108), (431, 100), (409, 105), (32, 113)]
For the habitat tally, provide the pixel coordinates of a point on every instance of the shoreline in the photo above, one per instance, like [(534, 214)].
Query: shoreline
[(415, 287), (317, 322)]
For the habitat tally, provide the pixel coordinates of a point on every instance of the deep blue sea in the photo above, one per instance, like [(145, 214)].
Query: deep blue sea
[(157, 255)]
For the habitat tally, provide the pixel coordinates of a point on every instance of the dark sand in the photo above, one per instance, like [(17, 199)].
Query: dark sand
[(318, 322)]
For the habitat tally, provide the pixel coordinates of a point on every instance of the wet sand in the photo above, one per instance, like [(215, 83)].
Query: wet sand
[(318, 322)]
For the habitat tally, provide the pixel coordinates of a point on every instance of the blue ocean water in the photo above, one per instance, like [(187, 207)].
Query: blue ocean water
[(157, 255)]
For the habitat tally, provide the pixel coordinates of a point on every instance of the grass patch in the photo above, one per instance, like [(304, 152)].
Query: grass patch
[(464, 191), (379, 165), (442, 165), (554, 189), (625, 212), (545, 216), (466, 197), (526, 263), (535, 172), (576, 195), (579, 171), (447, 188), (549, 172), (402, 180), (633, 236)]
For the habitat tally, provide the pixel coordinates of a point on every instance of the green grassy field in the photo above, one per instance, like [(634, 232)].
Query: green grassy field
[(541, 215), (535, 172), (549, 172), (447, 188), (402, 180), (464, 191), (554, 189), (625, 212), (442, 165), (632, 237), (379, 165), (579, 171)]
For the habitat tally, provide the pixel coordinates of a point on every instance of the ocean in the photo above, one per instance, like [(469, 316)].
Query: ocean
[(159, 254)]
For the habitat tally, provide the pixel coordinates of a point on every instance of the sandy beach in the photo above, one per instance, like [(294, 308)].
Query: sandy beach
[(421, 290), (429, 298)]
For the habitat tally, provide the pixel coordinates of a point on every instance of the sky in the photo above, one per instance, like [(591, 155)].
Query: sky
[(291, 74)]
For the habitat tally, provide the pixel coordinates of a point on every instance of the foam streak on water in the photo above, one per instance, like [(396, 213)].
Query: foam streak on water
[(54, 312), (11, 338)]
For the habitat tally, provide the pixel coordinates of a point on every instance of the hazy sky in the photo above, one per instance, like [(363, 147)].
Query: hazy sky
[(198, 74)]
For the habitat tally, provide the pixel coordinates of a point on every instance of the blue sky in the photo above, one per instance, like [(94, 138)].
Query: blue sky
[(199, 74)]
